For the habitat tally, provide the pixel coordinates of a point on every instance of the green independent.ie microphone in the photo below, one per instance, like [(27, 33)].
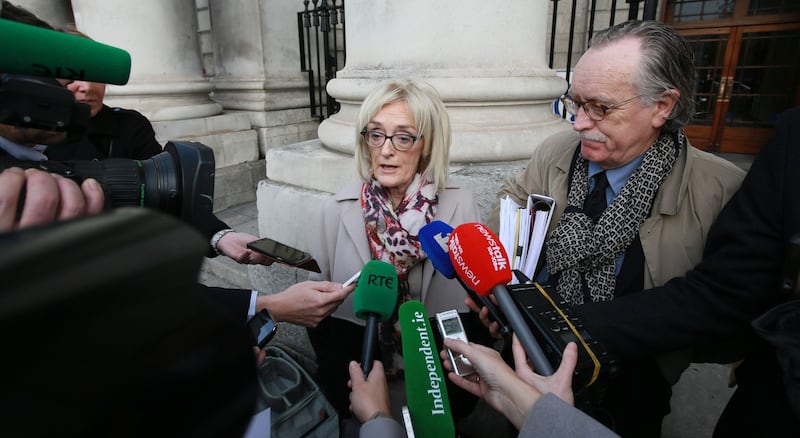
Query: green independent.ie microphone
[(374, 300), (36, 51), (426, 389)]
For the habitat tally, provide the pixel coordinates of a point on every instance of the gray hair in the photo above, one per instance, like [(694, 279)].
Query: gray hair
[(430, 119), (667, 64)]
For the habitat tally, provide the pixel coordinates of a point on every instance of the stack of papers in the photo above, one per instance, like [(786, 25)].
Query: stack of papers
[(523, 231)]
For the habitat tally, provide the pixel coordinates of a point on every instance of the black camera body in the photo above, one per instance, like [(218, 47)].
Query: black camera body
[(552, 323), (41, 103), (178, 181), (554, 326)]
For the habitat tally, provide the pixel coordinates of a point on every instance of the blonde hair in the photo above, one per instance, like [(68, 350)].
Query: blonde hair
[(430, 119)]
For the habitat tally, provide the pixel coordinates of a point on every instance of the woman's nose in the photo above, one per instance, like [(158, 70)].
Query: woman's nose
[(79, 86)]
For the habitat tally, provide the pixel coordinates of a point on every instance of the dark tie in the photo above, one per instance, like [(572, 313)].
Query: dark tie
[(596, 200)]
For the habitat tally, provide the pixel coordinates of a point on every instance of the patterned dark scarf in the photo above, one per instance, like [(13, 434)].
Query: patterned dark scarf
[(392, 235), (579, 250)]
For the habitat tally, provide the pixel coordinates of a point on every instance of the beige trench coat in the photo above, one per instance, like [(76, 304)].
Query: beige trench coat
[(342, 249), (674, 234)]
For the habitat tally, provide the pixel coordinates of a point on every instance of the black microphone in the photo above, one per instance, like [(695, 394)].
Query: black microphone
[(374, 300)]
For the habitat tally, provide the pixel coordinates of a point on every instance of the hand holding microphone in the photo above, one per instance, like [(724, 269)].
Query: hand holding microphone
[(369, 395), (484, 315), (481, 262), (374, 300)]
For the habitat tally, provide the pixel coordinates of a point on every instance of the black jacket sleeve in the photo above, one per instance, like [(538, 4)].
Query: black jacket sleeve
[(209, 226), (236, 301), (739, 276)]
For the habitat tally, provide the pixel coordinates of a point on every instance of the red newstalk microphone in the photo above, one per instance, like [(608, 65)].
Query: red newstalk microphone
[(482, 264)]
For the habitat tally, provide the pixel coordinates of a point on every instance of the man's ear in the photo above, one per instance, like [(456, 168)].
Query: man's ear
[(664, 106)]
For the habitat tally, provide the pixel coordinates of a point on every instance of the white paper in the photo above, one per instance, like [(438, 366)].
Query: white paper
[(543, 208), (507, 221), (260, 425), (538, 235), (523, 231)]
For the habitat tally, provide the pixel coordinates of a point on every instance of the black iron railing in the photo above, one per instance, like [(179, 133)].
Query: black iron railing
[(320, 28), (650, 7)]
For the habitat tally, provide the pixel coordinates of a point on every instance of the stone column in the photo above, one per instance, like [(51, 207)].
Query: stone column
[(486, 59), (170, 87), (166, 80), (257, 65)]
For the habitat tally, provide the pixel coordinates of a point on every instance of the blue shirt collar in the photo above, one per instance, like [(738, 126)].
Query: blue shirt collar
[(618, 176)]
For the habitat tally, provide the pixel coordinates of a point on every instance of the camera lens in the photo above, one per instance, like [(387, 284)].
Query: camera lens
[(178, 181)]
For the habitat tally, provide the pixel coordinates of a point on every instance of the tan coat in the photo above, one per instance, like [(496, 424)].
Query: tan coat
[(687, 203), (342, 249), (674, 234)]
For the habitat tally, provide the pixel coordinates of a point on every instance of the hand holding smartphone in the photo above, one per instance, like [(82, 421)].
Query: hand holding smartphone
[(285, 254)]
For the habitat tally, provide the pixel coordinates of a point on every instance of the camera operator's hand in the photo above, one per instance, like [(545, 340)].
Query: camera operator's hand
[(48, 198), (306, 303), (234, 245)]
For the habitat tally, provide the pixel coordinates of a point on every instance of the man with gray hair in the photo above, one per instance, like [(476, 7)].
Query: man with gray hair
[(634, 200)]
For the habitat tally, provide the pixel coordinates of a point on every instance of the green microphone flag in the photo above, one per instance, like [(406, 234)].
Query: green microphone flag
[(426, 388), (36, 51)]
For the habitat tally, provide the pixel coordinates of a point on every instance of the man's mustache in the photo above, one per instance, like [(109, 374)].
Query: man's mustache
[(592, 137)]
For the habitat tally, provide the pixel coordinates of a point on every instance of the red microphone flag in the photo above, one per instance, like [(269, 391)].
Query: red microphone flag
[(478, 257)]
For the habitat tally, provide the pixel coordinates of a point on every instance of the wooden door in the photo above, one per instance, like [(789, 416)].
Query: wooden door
[(748, 72)]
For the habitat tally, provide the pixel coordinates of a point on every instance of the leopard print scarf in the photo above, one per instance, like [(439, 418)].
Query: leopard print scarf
[(393, 238), (392, 232)]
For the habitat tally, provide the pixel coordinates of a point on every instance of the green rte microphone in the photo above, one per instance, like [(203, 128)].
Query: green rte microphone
[(36, 51), (374, 300), (426, 389)]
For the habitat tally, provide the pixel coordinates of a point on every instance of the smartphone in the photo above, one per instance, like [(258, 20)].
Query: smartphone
[(450, 326), (284, 254), (262, 328)]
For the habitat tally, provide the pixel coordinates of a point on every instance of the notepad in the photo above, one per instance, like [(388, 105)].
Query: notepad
[(523, 231)]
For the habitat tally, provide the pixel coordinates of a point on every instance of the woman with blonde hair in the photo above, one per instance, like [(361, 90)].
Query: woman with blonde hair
[(402, 154)]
